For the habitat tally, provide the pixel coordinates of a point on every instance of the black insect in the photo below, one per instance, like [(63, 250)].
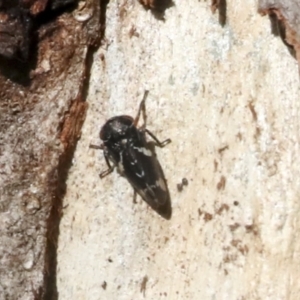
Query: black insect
[(125, 146)]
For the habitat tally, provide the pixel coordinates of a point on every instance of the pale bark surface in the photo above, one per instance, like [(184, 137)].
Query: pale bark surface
[(228, 97), (287, 23)]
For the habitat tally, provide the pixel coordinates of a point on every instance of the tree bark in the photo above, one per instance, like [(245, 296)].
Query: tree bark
[(227, 95), (42, 108), (224, 87)]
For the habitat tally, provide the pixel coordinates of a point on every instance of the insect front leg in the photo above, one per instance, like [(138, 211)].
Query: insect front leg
[(158, 143), (142, 109), (134, 196), (110, 168)]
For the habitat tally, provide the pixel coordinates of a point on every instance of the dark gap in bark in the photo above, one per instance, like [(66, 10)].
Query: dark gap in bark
[(222, 12), (159, 7), (278, 29), (19, 37), (221, 6), (94, 47), (58, 180), (103, 7), (50, 14)]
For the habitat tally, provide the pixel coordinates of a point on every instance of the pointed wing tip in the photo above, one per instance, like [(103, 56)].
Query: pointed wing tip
[(165, 210)]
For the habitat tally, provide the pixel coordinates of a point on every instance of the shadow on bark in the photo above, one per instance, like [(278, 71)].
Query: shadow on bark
[(278, 29), (222, 12), (157, 7), (16, 70), (58, 178), (221, 6), (19, 35)]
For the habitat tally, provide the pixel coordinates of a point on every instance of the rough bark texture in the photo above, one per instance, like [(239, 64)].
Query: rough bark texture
[(41, 113), (228, 97), (287, 21), (222, 87)]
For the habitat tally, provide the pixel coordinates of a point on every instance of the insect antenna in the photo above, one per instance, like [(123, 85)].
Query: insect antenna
[(110, 168), (142, 109)]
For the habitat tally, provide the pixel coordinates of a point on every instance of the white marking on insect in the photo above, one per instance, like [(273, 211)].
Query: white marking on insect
[(160, 182), (120, 168), (140, 175), (133, 163), (120, 164), (143, 150)]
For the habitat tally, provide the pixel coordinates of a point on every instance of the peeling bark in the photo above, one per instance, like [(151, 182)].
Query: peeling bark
[(287, 14), (221, 93), (40, 122)]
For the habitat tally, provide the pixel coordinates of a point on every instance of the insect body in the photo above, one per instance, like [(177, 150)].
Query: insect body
[(125, 146)]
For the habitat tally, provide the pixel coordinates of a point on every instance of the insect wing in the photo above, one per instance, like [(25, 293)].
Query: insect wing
[(144, 172)]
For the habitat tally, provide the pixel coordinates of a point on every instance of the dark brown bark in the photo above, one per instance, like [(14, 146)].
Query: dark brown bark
[(285, 21), (42, 108)]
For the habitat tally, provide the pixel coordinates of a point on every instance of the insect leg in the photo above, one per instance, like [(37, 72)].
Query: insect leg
[(109, 170), (142, 108), (159, 143), (98, 147), (134, 196)]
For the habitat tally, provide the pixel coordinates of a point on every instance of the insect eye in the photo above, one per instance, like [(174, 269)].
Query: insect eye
[(104, 132), (128, 120), (115, 127)]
